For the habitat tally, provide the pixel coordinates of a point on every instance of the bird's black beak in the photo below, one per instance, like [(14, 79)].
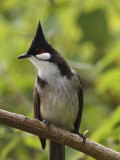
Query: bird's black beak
[(25, 55)]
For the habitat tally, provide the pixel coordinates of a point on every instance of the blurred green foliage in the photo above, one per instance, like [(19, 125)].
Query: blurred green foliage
[(87, 34)]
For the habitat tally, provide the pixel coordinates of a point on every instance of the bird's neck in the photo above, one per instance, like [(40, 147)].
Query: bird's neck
[(48, 71)]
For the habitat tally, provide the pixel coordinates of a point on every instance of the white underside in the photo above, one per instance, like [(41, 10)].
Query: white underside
[(59, 99)]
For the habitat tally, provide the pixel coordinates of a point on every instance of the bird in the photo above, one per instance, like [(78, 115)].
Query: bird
[(58, 92)]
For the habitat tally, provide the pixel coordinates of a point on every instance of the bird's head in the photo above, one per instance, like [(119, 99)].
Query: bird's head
[(42, 55), (39, 49)]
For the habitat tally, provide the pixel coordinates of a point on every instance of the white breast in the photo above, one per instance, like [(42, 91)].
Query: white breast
[(59, 99), (59, 103)]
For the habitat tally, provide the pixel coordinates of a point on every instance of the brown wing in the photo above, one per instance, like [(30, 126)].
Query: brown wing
[(36, 98), (80, 98)]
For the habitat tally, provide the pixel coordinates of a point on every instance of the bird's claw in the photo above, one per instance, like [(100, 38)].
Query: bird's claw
[(81, 135), (47, 123)]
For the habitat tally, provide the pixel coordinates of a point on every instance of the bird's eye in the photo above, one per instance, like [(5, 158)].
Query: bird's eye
[(41, 51)]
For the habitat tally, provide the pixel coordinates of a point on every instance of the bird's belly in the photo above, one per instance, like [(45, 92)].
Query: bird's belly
[(60, 108)]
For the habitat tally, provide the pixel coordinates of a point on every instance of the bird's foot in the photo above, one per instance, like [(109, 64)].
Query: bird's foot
[(47, 123), (81, 135)]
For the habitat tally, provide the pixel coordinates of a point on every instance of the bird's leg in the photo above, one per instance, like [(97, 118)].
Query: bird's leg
[(47, 123), (81, 135)]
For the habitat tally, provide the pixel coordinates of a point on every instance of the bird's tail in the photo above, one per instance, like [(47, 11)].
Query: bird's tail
[(57, 151)]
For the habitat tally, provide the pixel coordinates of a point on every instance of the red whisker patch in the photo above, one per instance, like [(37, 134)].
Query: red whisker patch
[(41, 51)]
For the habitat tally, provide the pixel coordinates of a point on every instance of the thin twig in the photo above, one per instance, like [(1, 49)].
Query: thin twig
[(53, 133)]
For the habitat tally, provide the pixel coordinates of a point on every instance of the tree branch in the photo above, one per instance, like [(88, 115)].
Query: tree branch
[(38, 128)]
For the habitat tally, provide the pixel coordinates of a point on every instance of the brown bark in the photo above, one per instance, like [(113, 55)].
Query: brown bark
[(38, 128)]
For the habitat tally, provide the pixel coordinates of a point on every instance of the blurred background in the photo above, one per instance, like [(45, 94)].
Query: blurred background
[(87, 34)]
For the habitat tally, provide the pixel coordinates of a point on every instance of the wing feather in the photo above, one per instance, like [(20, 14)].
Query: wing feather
[(80, 98), (36, 98)]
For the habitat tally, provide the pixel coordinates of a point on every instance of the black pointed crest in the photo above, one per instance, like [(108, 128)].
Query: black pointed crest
[(39, 40), (39, 37)]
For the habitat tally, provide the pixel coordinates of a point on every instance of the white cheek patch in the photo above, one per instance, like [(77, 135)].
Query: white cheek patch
[(43, 56)]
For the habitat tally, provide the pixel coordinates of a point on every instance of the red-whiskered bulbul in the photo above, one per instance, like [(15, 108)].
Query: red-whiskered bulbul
[(58, 93)]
